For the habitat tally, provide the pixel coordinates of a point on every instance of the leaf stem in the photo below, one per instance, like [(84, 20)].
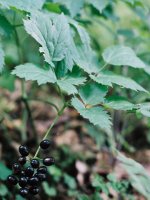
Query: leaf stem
[(51, 126), (102, 68)]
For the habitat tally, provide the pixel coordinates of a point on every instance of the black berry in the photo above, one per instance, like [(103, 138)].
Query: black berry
[(22, 173), (29, 171), (12, 180), (41, 177), (34, 190), (16, 168), (22, 160), (23, 192), (35, 163), (33, 181), (48, 161), (42, 170), (24, 150), (45, 144), (23, 181)]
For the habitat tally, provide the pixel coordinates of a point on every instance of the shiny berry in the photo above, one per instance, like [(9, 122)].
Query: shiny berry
[(34, 190), (12, 180), (16, 168), (41, 177), (48, 161), (22, 160), (33, 181), (23, 192), (22, 173), (42, 170), (29, 171), (24, 151), (45, 144), (35, 163), (23, 181)]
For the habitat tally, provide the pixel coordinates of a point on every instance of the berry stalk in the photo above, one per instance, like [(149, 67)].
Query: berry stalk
[(51, 126)]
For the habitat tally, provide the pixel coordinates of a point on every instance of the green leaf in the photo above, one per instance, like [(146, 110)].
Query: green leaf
[(98, 4), (6, 28), (18, 197), (87, 60), (140, 179), (95, 115), (72, 6), (122, 55), (133, 1), (71, 55), (96, 134), (93, 93), (112, 177), (68, 84), (1, 59), (49, 190), (55, 172), (96, 196), (4, 172), (71, 80), (119, 103), (70, 181), (147, 69), (28, 6), (3, 190), (83, 197), (85, 57), (144, 109), (52, 34), (30, 71), (108, 78), (84, 37), (7, 81), (98, 182)]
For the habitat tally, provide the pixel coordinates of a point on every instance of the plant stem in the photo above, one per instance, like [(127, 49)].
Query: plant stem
[(51, 126), (61, 94)]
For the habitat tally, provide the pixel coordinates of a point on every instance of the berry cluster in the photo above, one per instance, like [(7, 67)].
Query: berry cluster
[(29, 176)]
